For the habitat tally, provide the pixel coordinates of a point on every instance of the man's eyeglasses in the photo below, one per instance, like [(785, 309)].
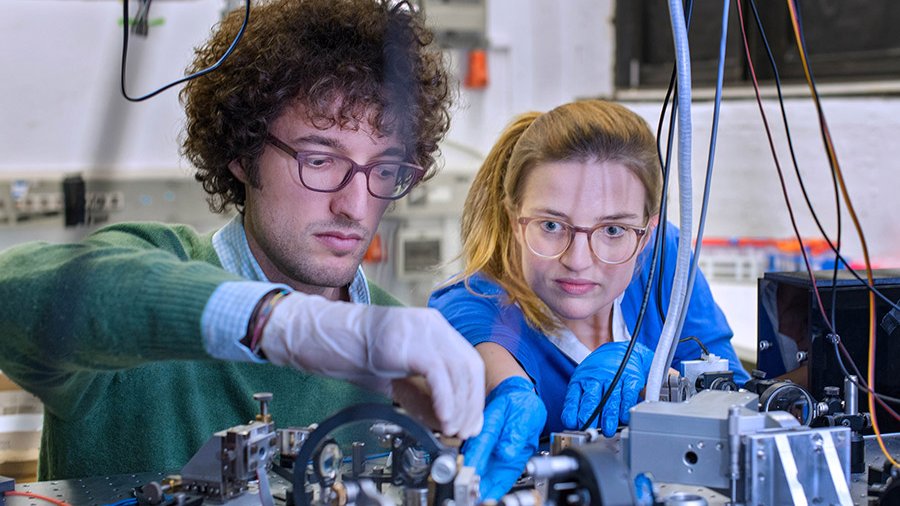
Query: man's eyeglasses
[(611, 243), (329, 172)]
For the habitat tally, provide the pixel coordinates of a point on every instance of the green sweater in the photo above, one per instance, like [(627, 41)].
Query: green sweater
[(106, 332)]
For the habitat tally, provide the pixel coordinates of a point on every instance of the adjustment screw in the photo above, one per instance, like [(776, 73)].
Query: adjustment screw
[(263, 398)]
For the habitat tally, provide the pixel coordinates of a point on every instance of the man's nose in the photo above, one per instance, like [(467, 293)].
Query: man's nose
[(351, 201)]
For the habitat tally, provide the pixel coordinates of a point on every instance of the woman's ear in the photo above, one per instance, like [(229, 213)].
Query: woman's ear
[(513, 223), (652, 223), (237, 169)]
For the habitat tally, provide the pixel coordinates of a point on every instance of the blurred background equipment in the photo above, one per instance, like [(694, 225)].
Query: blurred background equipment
[(21, 419)]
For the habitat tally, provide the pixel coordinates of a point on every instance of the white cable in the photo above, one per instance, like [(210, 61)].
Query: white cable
[(265, 492), (709, 167), (659, 367)]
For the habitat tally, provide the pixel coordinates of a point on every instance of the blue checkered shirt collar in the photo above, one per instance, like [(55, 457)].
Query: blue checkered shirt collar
[(230, 243)]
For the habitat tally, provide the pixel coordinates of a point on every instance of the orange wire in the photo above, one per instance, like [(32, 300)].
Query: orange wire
[(787, 199), (870, 372), (37, 496)]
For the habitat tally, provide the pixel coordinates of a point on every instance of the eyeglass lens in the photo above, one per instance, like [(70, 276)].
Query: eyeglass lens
[(327, 173), (611, 243)]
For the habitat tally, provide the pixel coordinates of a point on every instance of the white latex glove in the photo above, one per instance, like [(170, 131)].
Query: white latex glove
[(371, 345)]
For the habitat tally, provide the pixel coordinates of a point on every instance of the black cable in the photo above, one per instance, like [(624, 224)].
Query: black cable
[(779, 170), (860, 383), (647, 289), (195, 75), (631, 343), (141, 19), (710, 162), (834, 248), (837, 201), (703, 348), (665, 166)]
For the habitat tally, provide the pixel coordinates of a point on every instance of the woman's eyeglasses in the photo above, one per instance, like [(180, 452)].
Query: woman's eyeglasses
[(611, 243)]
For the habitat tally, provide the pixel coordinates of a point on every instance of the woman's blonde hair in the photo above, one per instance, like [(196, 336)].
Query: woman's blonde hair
[(588, 130)]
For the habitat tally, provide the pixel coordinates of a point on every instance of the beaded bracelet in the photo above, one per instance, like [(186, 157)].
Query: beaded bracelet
[(258, 319)]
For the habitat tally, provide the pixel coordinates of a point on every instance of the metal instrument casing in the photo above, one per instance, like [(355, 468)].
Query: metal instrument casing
[(700, 441)]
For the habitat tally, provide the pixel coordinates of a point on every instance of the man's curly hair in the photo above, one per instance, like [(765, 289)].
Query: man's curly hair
[(371, 58)]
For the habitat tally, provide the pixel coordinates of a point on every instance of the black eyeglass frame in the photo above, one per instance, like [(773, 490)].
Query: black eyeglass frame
[(300, 158), (640, 232)]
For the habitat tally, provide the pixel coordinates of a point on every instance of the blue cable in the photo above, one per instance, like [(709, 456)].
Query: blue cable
[(129, 501), (124, 502), (368, 457)]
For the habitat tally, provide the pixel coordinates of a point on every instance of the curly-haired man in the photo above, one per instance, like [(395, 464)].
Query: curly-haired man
[(326, 112)]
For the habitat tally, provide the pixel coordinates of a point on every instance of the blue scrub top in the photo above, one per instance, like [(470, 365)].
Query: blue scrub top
[(481, 314)]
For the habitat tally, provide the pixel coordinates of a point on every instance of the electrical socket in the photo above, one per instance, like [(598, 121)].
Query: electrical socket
[(39, 203), (115, 201), (112, 201)]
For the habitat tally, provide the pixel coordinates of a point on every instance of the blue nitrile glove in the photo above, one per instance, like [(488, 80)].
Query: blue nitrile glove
[(593, 376), (514, 417)]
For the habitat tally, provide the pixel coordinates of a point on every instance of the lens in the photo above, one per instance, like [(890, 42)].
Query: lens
[(614, 243), (323, 172), (390, 180), (328, 461), (787, 396), (546, 238)]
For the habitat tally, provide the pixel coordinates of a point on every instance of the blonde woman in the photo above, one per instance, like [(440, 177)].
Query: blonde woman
[(555, 234)]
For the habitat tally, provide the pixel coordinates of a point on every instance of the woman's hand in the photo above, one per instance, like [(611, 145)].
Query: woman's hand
[(514, 417), (591, 379)]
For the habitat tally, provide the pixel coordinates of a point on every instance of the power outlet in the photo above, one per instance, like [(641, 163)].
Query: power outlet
[(39, 204), (105, 202), (115, 201)]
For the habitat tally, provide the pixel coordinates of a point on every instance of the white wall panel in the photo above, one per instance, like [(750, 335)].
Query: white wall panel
[(60, 101)]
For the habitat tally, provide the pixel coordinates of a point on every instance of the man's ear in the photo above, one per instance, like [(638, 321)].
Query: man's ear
[(237, 169)]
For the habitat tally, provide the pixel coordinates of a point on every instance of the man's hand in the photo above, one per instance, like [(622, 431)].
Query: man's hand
[(414, 396), (592, 378), (513, 421), (371, 345)]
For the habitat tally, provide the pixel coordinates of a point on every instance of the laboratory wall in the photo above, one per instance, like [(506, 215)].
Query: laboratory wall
[(61, 102)]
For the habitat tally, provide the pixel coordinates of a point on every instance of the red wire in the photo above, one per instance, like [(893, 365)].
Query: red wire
[(865, 385), (862, 382), (37, 496), (862, 239), (821, 306), (787, 200)]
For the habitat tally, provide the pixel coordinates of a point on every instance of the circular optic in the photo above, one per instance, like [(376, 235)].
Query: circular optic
[(789, 397), (328, 463)]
